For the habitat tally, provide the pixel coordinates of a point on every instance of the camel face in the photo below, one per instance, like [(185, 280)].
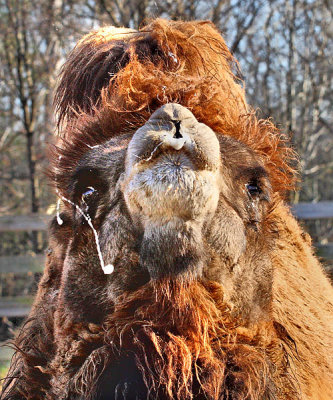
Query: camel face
[(171, 187), (177, 174), (171, 200)]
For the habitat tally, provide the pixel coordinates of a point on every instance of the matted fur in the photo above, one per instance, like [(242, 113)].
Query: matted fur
[(183, 51), (182, 335), (185, 342), (124, 81)]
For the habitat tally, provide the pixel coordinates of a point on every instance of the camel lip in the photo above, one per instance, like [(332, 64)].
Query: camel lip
[(174, 161), (177, 153), (163, 191)]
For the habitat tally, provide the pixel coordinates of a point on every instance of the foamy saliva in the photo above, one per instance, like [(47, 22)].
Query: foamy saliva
[(59, 220), (107, 269)]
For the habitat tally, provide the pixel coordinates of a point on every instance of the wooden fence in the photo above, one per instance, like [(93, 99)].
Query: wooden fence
[(19, 306)]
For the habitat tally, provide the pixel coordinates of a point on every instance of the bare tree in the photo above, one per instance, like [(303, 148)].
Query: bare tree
[(30, 52)]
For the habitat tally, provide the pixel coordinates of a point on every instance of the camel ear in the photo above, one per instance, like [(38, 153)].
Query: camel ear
[(93, 61)]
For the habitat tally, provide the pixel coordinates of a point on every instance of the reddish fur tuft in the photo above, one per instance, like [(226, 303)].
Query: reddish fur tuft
[(185, 342), (122, 82)]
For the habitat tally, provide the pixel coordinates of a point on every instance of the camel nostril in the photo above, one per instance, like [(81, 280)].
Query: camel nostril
[(177, 135)]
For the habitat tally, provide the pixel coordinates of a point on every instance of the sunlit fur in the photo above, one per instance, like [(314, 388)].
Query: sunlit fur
[(181, 62), (186, 340)]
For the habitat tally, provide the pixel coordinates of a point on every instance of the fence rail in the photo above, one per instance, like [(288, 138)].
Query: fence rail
[(320, 210), (16, 306), (20, 306), (19, 223), (18, 264)]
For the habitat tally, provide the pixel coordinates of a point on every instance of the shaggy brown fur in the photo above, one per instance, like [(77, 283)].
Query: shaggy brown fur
[(181, 62), (244, 310), (186, 345)]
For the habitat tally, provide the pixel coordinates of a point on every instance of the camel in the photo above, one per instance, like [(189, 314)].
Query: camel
[(175, 269)]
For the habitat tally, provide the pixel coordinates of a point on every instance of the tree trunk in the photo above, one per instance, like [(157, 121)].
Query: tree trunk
[(32, 178)]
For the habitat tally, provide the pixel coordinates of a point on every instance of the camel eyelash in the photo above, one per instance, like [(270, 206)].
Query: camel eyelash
[(253, 188), (257, 190), (88, 194)]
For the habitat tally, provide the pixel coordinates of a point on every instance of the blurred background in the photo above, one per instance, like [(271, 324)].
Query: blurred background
[(285, 50)]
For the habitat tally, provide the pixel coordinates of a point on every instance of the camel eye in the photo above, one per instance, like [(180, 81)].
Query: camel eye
[(253, 189), (88, 193)]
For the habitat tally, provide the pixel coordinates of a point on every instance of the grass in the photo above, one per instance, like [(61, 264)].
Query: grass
[(5, 356), (4, 365)]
